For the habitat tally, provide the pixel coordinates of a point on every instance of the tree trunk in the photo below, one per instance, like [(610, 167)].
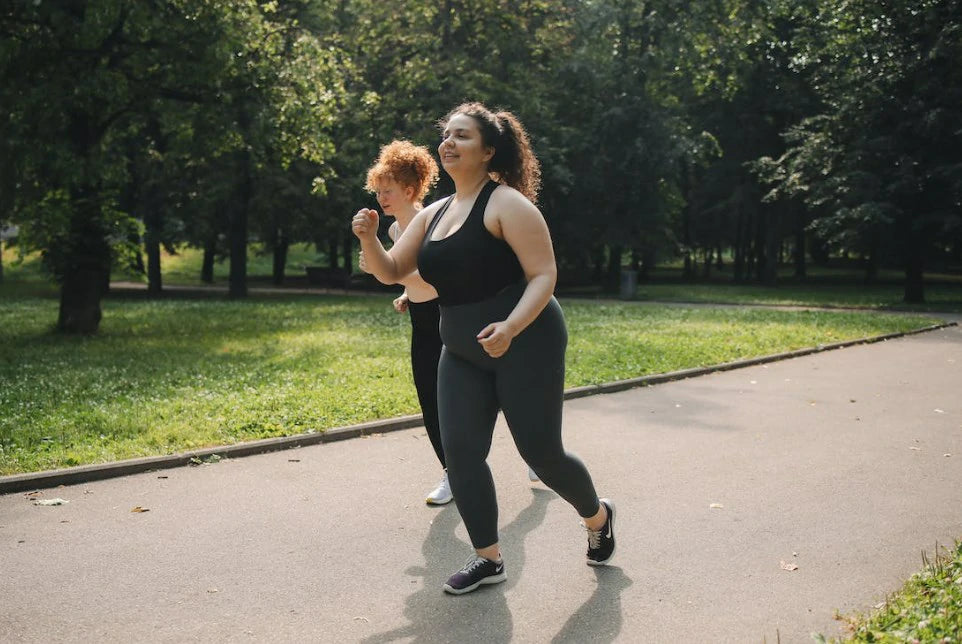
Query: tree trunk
[(348, 251), (739, 268), (914, 269), (152, 246), (799, 256), (769, 268), (1, 256), (646, 264), (86, 271), (871, 258), (80, 297), (613, 277), (207, 266), (280, 258), (238, 231), (333, 252)]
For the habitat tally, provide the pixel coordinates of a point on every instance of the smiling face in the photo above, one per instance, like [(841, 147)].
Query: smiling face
[(392, 196), (462, 148)]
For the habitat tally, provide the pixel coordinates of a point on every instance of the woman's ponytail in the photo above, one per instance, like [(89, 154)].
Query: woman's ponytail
[(514, 162)]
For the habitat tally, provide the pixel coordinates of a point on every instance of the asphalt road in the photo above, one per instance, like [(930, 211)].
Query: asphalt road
[(846, 464)]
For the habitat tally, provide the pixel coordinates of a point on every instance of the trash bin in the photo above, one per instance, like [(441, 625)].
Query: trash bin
[(629, 284)]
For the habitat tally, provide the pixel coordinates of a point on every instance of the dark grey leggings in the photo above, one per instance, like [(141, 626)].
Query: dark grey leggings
[(527, 384)]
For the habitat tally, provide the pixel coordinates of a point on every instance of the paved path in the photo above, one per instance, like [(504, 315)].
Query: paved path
[(835, 462)]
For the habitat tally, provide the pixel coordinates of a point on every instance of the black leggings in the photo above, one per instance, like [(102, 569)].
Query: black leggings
[(527, 384), (425, 353)]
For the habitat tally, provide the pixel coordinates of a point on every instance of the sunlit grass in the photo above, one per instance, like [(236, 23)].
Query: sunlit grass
[(928, 608), (942, 296), (169, 375)]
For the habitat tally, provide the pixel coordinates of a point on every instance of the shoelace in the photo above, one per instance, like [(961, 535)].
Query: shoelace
[(474, 561), (594, 537)]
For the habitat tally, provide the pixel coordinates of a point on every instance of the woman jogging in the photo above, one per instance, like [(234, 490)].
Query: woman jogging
[(487, 251)]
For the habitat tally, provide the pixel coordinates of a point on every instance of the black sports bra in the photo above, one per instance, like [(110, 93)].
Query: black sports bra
[(471, 264)]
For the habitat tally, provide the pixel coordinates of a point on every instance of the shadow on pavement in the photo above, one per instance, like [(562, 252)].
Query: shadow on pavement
[(600, 618), (479, 616)]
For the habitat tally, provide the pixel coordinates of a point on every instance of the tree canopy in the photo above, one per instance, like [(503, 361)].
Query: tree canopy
[(723, 131)]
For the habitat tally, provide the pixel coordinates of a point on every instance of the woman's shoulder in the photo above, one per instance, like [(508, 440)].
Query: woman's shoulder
[(506, 199), (394, 231), (434, 205)]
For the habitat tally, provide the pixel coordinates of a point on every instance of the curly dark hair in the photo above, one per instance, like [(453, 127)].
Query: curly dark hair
[(514, 162), (412, 166)]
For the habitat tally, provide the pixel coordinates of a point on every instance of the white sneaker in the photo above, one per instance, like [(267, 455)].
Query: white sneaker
[(442, 493), (532, 475)]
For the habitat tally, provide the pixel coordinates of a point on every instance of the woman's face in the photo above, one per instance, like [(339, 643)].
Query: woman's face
[(391, 195), (461, 146)]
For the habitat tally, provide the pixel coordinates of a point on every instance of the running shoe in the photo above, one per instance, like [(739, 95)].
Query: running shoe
[(601, 543), (442, 493), (476, 571)]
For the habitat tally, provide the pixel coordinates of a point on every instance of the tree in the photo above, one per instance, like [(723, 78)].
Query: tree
[(884, 160), (82, 78)]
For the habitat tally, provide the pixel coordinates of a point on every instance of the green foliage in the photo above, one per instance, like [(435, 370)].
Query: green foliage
[(927, 609), (881, 162), (170, 375)]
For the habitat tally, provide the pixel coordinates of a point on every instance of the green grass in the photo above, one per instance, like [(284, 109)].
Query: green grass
[(928, 608), (184, 267), (181, 268), (169, 375), (938, 296)]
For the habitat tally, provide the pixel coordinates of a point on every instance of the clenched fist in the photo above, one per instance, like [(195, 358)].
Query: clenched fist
[(364, 224)]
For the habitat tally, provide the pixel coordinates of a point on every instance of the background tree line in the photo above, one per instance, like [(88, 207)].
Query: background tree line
[(726, 133)]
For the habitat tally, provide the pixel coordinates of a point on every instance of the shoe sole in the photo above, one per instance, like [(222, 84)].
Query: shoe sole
[(611, 511), (493, 579), (431, 501)]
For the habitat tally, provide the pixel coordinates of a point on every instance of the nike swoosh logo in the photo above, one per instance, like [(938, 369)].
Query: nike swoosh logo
[(608, 536)]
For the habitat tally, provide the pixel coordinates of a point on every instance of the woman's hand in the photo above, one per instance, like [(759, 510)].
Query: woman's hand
[(496, 338), (364, 224), (401, 303)]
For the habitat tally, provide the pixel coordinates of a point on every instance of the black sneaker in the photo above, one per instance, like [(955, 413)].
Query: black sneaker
[(601, 543), (476, 571)]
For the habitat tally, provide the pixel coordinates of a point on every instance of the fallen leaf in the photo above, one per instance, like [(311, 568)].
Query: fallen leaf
[(32, 494), (939, 411), (57, 501), (917, 449), (140, 509), (946, 455), (716, 506), (212, 590), (789, 566)]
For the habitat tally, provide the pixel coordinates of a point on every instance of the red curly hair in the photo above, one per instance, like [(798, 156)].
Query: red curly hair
[(411, 166)]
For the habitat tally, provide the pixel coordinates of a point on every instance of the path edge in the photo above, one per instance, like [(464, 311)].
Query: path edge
[(87, 473)]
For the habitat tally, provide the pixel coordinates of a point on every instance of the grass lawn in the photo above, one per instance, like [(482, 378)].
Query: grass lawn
[(927, 609), (941, 296), (168, 375)]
